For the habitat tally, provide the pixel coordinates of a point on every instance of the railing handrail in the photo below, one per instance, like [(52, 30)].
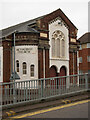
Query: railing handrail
[(38, 89), (8, 83)]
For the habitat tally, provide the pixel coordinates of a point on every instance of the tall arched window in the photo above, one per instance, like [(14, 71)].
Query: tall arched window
[(58, 47), (24, 68), (32, 70), (63, 47), (58, 39), (53, 47), (17, 65)]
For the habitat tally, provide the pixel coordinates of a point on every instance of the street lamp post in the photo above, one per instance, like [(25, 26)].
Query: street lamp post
[(14, 74), (14, 92)]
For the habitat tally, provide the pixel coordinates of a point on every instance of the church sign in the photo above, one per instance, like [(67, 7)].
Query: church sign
[(25, 50)]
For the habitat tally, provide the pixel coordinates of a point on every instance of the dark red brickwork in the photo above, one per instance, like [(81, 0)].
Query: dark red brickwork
[(6, 61), (71, 63), (43, 43), (85, 65), (40, 63), (55, 14), (47, 63)]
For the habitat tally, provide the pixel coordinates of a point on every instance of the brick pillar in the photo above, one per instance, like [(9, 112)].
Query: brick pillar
[(6, 61), (40, 63), (47, 63)]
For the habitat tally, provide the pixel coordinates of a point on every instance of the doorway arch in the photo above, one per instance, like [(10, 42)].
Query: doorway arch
[(62, 81), (63, 71), (53, 71)]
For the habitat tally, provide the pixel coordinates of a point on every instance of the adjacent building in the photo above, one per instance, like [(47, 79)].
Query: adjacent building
[(44, 47), (84, 53)]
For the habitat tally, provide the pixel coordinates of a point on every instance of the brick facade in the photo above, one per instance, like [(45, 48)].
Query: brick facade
[(84, 53), (32, 37), (6, 61), (85, 65)]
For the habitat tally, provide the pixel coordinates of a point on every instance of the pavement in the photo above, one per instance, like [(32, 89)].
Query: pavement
[(16, 110)]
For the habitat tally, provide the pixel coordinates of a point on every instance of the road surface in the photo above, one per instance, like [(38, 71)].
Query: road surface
[(72, 110)]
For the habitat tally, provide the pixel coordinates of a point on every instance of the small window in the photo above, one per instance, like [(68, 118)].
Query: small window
[(32, 70), (80, 60), (88, 58), (80, 47), (24, 68), (17, 66)]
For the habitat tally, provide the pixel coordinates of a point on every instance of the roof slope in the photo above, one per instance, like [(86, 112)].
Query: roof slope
[(85, 38), (23, 27)]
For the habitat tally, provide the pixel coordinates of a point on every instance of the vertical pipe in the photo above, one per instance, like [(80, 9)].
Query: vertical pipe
[(41, 88), (29, 90), (86, 81), (73, 67), (73, 62), (78, 66), (44, 65), (14, 71)]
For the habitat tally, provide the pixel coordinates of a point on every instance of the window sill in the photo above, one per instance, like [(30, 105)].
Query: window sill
[(64, 58)]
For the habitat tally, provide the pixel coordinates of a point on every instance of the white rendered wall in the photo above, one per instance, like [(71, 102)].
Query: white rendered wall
[(1, 64), (59, 62), (30, 57)]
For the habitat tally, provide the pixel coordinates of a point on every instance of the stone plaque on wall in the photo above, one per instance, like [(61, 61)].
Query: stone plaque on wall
[(26, 50), (43, 35)]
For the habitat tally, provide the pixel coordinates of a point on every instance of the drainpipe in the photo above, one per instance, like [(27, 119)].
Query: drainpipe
[(14, 70), (73, 66), (73, 62), (44, 66)]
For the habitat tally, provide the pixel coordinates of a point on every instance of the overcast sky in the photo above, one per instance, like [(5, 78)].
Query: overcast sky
[(16, 11)]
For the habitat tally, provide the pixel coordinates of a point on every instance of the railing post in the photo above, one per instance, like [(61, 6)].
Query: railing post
[(1, 99), (86, 81), (41, 88), (67, 82)]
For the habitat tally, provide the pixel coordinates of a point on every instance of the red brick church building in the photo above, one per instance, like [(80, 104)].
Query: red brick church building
[(44, 47)]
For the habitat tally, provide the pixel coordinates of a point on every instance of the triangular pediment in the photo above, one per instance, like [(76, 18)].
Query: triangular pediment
[(59, 21), (58, 14)]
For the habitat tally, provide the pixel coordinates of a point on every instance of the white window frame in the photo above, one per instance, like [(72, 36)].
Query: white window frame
[(32, 69), (80, 59), (88, 58), (17, 65), (24, 67), (57, 51)]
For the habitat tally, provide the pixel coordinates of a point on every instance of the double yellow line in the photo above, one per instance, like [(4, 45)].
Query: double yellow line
[(51, 109), (10, 113), (66, 101)]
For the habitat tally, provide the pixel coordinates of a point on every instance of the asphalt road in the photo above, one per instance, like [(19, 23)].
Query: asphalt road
[(72, 110)]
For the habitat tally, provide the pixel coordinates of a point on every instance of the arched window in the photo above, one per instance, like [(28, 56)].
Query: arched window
[(58, 39), (17, 65), (53, 47), (24, 68), (32, 70), (63, 47), (58, 47)]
